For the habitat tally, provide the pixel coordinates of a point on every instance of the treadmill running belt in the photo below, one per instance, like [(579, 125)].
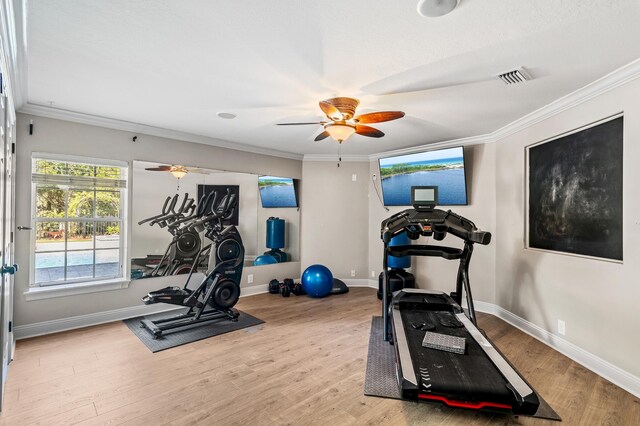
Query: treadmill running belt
[(470, 376)]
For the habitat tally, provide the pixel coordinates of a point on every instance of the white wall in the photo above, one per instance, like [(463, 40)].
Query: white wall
[(437, 273), (597, 299), (62, 137), (335, 217)]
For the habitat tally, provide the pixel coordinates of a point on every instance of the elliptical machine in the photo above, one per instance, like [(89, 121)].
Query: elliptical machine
[(219, 291), (185, 252)]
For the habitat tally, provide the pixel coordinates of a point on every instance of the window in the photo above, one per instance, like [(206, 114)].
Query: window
[(77, 219)]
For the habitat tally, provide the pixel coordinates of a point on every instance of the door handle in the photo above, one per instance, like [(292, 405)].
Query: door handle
[(9, 269), (24, 228)]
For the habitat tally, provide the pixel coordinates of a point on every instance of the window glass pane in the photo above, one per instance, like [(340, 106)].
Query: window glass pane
[(107, 234), (80, 235), (49, 236), (80, 203), (68, 251), (76, 169), (108, 204), (79, 264), (49, 201), (107, 263), (49, 267), (108, 172), (50, 167)]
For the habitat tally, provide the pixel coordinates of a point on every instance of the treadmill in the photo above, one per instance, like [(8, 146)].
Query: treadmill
[(441, 355)]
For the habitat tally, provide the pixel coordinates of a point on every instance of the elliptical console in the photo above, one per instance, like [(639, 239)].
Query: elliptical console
[(441, 355)]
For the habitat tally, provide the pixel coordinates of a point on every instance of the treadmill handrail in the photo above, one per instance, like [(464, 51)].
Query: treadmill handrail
[(435, 220), (449, 253)]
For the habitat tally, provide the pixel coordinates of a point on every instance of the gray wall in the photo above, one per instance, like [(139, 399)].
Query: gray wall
[(335, 217), (597, 299), (62, 137), (440, 274)]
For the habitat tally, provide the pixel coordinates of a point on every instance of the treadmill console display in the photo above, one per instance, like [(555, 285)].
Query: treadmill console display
[(424, 198)]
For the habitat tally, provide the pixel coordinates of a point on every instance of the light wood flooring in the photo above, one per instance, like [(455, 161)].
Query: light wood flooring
[(305, 365)]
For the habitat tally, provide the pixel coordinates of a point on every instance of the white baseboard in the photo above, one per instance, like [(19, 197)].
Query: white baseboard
[(64, 324), (616, 375), (254, 289), (357, 282), (80, 321)]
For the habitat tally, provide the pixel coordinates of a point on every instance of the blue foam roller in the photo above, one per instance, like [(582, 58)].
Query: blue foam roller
[(275, 233), (399, 262)]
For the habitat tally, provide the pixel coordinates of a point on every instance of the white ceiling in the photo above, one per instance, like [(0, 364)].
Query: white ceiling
[(175, 64)]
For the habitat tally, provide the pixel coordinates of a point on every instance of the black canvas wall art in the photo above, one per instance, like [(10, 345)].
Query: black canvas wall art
[(575, 192)]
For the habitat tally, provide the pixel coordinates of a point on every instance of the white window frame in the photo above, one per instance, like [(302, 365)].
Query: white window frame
[(80, 285)]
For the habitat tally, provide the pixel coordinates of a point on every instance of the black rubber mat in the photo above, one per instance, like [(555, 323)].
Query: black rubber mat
[(380, 376), (181, 337)]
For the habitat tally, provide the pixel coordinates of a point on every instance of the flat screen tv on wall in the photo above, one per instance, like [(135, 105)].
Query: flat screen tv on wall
[(443, 168), (277, 192)]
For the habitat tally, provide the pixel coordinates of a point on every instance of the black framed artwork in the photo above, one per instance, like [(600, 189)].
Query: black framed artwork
[(575, 191)]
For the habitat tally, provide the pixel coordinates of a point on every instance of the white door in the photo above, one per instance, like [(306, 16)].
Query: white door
[(7, 130)]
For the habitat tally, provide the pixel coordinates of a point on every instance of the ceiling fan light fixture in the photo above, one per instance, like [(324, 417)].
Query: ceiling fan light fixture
[(178, 172), (435, 8), (340, 131)]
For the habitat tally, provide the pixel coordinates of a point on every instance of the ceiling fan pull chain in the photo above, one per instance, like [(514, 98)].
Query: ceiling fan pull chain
[(339, 153)]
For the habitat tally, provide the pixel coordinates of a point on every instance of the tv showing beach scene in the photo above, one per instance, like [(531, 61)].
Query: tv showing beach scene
[(277, 192), (443, 168)]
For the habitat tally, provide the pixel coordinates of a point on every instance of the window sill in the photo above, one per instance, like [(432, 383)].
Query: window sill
[(49, 292)]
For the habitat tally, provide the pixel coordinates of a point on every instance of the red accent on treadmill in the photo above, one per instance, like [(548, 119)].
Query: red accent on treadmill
[(472, 405)]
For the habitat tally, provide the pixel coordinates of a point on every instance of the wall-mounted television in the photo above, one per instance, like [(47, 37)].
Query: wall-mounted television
[(443, 168), (277, 192)]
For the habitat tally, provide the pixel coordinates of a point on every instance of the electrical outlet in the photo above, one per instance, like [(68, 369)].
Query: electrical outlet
[(353, 272), (373, 274), (561, 328), (354, 177), (250, 278)]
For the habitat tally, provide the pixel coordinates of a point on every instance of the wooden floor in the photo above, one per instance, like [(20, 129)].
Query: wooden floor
[(305, 365)]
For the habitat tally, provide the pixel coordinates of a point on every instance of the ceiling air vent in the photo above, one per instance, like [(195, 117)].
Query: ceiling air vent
[(515, 76)]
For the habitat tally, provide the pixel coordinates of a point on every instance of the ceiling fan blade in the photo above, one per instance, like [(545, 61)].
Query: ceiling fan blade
[(159, 169), (331, 111), (321, 136), (299, 124), (368, 131), (378, 117)]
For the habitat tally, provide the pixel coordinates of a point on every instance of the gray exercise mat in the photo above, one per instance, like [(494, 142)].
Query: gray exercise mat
[(380, 376), (175, 338)]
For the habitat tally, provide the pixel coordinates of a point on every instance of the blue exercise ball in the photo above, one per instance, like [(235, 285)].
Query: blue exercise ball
[(317, 280), (264, 259)]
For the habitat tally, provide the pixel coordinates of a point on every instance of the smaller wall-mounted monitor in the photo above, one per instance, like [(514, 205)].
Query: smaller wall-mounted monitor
[(277, 192), (443, 168)]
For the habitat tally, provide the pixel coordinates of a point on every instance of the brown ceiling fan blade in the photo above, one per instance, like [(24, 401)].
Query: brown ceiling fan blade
[(159, 169), (331, 111), (378, 117), (368, 131), (299, 124), (321, 136)]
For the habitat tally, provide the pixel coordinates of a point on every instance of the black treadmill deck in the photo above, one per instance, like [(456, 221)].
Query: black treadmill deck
[(469, 380)]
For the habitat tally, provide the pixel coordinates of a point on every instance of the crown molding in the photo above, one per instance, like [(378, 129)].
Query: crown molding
[(472, 140), (335, 157), (608, 82), (111, 123)]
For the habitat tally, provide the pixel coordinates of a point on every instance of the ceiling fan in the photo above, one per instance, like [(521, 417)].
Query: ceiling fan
[(178, 171), (344, 123)]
